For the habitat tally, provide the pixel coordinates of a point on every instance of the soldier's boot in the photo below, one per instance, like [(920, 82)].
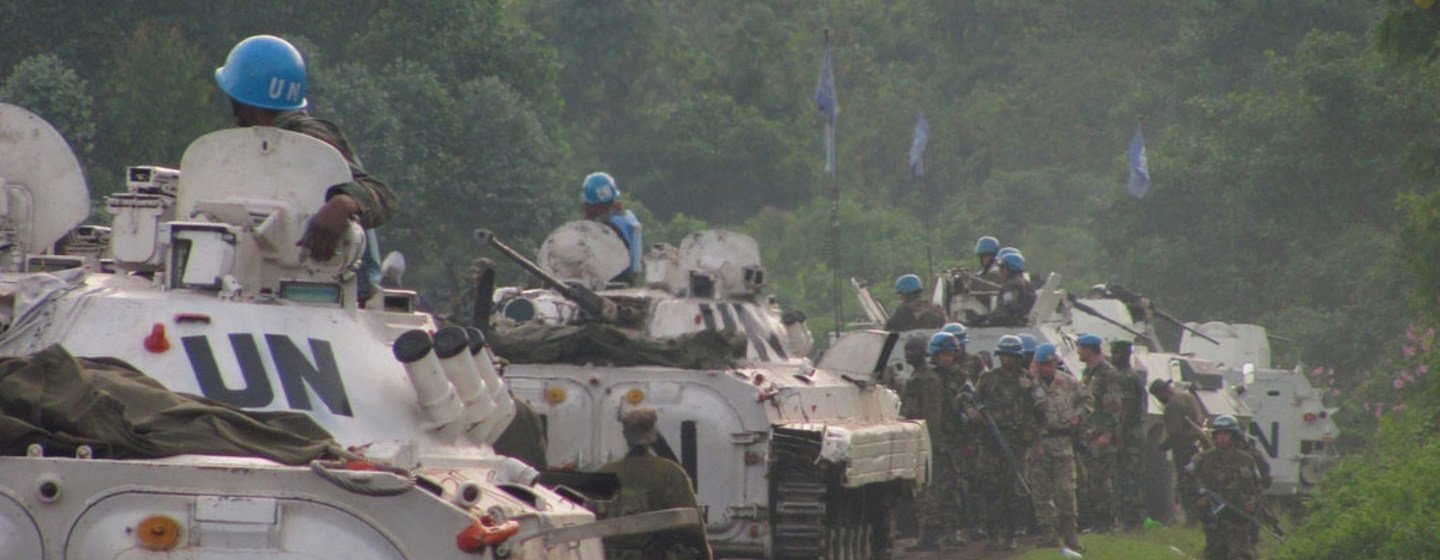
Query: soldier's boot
[(1070, 535)]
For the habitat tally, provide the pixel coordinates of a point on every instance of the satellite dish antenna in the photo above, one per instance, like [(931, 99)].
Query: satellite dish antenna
[(42, 188)]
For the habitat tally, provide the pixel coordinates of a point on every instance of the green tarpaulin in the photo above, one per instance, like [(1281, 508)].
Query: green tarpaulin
[(61, 402), (603, 344)]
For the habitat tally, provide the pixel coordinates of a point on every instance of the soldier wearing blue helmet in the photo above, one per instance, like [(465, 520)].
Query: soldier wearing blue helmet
[(1013, 399), (1028, 343), (1052, 472), (601, 198), (915, 312), (926, 397), (1103, 382), (1231, 475), (985, 249), (265, 78), (1017, 294), (960, 376)]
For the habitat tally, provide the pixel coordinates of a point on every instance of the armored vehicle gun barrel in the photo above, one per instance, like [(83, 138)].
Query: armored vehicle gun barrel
[(598, 307), (1075, 303), (1131, 297)]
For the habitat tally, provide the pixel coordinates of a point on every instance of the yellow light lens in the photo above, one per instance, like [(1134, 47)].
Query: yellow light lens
[(555, 395), (158, 532), (635, 396)]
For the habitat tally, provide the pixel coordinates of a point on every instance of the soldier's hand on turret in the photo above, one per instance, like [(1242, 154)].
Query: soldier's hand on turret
[(1103, 439), (323, 232)]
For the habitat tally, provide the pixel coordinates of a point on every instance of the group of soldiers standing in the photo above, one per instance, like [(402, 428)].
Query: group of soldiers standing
[(1022, 437), (1028, 445)]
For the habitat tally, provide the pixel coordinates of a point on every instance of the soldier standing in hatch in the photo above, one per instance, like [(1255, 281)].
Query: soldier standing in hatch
[(1182, 419), (1016, 402), (601, 198), (928, 398), (649, 483), (1229, 471), (265, 78), (1052, 469), (1130, 450), (1102, 381), (915, 312), (1017, 294)]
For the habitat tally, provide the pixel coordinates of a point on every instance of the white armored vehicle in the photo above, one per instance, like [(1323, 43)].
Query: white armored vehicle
[(789, 459), (1291, 423), (1226, 366), (1059, 318), (203, 288)]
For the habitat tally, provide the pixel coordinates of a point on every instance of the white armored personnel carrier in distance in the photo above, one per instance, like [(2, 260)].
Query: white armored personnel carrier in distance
[(1226, 366), (1058, 318), (202, 287), (789, 459)]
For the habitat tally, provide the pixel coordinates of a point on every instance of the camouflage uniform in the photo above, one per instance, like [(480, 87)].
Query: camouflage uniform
[(1231, 473), (1052, 467), (1102, 381), (1129, 468), (916, 313), (1017, 296), (377, 202), (928, 398), (649, 483), (1182, 437), (1015, 401), (965, 451), (524, 438)]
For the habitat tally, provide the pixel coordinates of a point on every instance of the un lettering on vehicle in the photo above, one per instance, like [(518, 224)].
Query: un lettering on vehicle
[(295, 371)]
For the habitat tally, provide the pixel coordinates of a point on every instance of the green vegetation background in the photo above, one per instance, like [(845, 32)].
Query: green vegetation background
[(1293, 146)]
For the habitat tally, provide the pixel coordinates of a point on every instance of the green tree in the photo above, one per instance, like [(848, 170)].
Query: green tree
[(160, 97), (45, 86)]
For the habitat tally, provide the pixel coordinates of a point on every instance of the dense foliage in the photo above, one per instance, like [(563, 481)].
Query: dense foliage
[(1279, 140)]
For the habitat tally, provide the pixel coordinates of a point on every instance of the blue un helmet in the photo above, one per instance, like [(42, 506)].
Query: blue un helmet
[(987, 246), (264, 71), (1045, 352), (1226, 422), (1006, 251), (941, 342), (1027, 343), (1090, 341), (908, 284), (1013, 261), (958, 331), (599, 188), (1010, 344)]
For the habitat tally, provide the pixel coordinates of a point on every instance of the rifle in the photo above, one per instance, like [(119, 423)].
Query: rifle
[(1219, 505), (967, 398)]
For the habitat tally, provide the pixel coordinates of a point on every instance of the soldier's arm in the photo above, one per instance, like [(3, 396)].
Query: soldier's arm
[(1174, 426), (377, 202)]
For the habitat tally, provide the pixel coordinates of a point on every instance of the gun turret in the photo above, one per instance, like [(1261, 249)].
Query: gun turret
[(596, 306)]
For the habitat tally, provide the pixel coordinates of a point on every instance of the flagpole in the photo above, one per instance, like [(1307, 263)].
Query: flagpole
[(835, 289), (929, 210)]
